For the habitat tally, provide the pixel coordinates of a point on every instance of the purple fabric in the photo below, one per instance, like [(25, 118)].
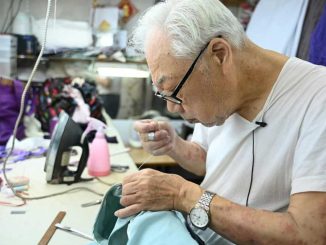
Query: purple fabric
[(9, 109), (20, 155), (317, 52)]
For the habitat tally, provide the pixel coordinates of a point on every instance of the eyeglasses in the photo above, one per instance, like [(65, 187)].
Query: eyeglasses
[(173, 97)]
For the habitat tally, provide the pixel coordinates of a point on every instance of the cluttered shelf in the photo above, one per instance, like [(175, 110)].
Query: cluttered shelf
[(73, 59), (88, 66)]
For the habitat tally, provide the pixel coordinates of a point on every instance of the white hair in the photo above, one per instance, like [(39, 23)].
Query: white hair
[(189, 25)]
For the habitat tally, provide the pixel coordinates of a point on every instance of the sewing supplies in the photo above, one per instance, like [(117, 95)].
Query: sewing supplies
[(88, 204), (145, 161), (73, 231), (21, 188), (18, 184), (18, 212), (119, 168), (21, 155), (6, 169), (52, 228), (17, 181)]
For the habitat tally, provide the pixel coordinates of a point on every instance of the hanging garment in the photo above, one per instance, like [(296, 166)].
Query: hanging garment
[(52, 98), (317, 52), (277, 25), (10, 96), (314, 11)]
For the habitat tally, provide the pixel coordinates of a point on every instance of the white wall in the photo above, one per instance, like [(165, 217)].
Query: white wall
[(78, 10)]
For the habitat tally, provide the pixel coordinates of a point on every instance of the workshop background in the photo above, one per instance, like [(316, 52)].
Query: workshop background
[(87, 68), (87, 48)]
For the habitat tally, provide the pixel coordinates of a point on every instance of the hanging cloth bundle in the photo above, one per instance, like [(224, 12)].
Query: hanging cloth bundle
[(10, 96), (317, 52)]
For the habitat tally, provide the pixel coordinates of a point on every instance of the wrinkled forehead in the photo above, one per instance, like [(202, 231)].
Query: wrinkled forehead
[(164, 67)]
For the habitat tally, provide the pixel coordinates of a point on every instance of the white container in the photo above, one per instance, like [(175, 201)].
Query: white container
[(8, 42), (7, 54), (22, 24), (8, 48), (8, 69)]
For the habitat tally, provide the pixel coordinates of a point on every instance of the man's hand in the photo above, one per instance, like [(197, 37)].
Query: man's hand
[(188, 155), (164, 136), (149, 189)]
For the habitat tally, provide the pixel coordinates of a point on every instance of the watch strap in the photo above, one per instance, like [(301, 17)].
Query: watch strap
[(205, 200)]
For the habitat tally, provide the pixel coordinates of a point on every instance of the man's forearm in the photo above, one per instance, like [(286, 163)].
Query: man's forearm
[(189, 156), (244, 225), (303, 223)]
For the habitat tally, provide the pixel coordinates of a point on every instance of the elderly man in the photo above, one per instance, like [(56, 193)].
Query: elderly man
[(260, 133)]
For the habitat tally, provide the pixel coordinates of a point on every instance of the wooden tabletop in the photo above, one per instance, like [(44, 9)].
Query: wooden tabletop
[(139, 155)]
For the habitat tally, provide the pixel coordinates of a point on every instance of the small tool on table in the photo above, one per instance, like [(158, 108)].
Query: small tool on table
[(88, 204), (74, 231)]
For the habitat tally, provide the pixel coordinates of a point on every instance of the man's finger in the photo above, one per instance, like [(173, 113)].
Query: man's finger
[(130, 178), (146, 126), (129, 188), (128, 211)]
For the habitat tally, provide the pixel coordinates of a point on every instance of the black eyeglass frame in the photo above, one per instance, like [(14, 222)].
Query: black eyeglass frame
[(173, 97)]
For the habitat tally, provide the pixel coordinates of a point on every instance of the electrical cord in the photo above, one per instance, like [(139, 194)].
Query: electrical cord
[(104, 182), (24, 198), (22, 101), (63, 192), (252, 167)]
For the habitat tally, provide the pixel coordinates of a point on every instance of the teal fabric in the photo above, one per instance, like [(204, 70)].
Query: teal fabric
[(159, 228), (106, 220)]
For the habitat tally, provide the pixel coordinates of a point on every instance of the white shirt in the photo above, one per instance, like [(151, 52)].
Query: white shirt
[(290, 152)]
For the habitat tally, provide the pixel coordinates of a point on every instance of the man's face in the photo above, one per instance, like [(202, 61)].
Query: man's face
[(203, 94)]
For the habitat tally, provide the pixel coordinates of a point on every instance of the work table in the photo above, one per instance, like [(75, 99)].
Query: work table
[(29, 227)]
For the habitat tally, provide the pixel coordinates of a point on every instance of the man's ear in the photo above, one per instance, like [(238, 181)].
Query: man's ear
[(220, 49)]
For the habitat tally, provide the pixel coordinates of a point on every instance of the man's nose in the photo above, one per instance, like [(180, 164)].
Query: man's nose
[(173, 107)]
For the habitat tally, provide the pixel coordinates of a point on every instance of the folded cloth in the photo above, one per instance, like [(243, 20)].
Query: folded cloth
[(317, 52), (64, 34), (272, 27), (159, 228)]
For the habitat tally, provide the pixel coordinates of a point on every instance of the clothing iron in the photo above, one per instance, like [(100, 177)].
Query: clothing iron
[(67, 134)]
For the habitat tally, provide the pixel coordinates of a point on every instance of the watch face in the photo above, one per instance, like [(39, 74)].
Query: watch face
[(199, 217)]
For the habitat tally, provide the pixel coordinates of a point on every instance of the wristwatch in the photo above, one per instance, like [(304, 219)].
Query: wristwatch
[(199, 215)]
